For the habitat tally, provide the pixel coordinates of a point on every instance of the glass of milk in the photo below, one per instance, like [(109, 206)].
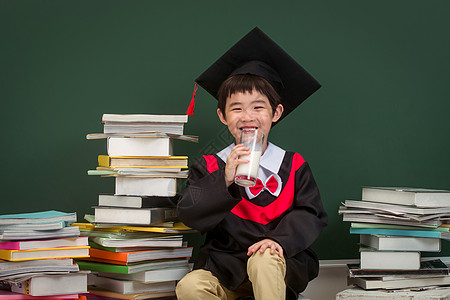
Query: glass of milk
[(247, 173)]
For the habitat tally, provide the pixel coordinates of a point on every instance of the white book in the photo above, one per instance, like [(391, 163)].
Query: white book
[(143, 186), (390, 260), (144, 118), (169, 241), (357, 293), (70, 231), (46, 285), (145, 146), (128, 286), (38, 217), (401, 243), (142, 127), (158, 275), (133, 216), (407, 196), (21, 268), (396, 208), (51, 243), (49, 253), (378, 283), (135, 201)]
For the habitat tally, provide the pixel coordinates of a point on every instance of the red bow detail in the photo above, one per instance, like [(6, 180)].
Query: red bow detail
[(270, 185)]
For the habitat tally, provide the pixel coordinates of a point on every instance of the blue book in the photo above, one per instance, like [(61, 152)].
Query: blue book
[(400, 232), (37, 217)]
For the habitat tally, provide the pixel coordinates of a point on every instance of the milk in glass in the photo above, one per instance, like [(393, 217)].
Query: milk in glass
[(247, 173)]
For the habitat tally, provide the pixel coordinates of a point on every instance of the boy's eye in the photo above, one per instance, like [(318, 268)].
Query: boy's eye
[(236, 108), (259, 107)]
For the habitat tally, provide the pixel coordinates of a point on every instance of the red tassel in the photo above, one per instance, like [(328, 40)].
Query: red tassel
[(190, 110)]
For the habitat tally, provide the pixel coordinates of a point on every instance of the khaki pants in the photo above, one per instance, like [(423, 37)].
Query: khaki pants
[(265, 271)]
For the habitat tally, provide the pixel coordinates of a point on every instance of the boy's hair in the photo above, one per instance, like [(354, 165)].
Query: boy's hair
[(246, 83)]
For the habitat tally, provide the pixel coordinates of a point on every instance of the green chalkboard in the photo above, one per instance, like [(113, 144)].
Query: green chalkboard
[(381, 117)]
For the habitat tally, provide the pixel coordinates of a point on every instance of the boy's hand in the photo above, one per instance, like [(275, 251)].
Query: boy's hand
[(263, 245), (233, 162)]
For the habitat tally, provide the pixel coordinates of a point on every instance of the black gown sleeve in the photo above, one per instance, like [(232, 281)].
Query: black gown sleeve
[(301, 226), (206, 200)]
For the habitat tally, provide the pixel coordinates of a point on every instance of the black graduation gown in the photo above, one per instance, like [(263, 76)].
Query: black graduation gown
[(294, 219)]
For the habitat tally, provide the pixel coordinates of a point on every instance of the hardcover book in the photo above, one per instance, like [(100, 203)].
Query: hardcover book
[(139, 147), (134, 216), (407, 196), (43, 285), (432, 267)]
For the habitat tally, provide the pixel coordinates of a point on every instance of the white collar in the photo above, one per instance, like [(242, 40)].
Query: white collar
[(271, 159)]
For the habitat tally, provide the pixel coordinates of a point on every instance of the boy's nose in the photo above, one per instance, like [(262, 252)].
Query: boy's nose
[(246, 115)]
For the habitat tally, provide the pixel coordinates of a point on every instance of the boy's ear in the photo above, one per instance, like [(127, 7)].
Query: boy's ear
[(277, 113), (221, 117)]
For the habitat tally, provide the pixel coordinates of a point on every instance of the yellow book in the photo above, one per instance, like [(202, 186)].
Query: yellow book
[(178, 227), (48, 253), (143, 161)]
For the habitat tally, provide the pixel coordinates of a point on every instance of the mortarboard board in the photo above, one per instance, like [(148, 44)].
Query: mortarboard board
[(258, 54)]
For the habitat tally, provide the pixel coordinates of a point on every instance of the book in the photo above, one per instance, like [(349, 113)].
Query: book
[(158, 275), (400, 243), (401, 227), (140, 146), (401, 232), (403, 283), (357, 293), (50, 253), (9, 269), (37, 217), (136, 216), (143, 186), (183, 137), (384, 219), (433, 267), (143, 161), (407, 196), (123, 170), (90, 229), (144, 118), (8, 265), (138, 172), (389, 260), (130, 287), (7, 295), (36, 244), (136, 256), (125, 249), (147, 266), (397, 209), (143, 127), (158, 241), (136, 201), (43, 285), (107, 295), (178, 227), (34, 226), (70, 231)]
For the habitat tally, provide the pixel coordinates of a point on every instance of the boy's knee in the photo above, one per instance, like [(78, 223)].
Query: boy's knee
[(262, 261), (197, 284)]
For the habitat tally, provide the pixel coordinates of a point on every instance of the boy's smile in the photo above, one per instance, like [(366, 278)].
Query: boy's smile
[(249, 110)]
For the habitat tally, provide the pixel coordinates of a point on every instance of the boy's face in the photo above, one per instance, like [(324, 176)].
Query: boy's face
[(249, 110)]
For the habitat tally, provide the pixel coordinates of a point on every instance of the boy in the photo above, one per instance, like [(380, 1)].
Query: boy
[(258, 238)]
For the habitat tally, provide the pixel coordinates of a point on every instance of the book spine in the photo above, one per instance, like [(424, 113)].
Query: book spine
[(414, 233), (10, 245), (22, 287)]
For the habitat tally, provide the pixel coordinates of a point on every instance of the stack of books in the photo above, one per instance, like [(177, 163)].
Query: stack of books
[(395, 226), (36, 256), (137, 248)]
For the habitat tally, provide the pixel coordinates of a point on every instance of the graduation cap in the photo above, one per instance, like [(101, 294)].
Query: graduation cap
[(257, 54)]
